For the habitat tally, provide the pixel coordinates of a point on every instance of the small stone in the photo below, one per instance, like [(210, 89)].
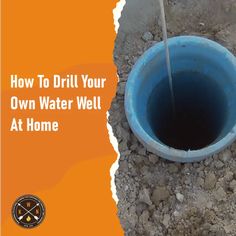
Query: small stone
[(207, 162), (195, 165), (142, 151), (144, 217), (220, 194), (166, 220), (180, 197), (162, 181), (229, 228), (153, 158), (121, 88), (126, 58), (134, 147), (200, 181), (152, 207), (140, 208), (220, 183), (219, 164), (209, 204), (126, 153), (157, 217), (217, 230), (147, 36), (124, 134), (232, 185), (229, 176), (138, 159), (206, 226), (176, 213), (210, 181), (160, 194), (226, 155), (227, 9), (144, 196), (210, 215), (135, 59), (173, 168), (123, 166), (188, 181), (157, 38)]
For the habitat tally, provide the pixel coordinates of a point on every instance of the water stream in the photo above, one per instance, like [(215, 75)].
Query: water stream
[(165, 39)]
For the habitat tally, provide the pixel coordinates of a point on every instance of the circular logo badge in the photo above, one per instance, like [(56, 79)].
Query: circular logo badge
[(28, 211)]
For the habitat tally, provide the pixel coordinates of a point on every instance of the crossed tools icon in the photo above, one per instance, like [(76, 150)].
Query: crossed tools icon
[(28, 212)]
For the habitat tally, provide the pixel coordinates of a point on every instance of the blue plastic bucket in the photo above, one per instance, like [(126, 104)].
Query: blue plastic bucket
[(204, 84)]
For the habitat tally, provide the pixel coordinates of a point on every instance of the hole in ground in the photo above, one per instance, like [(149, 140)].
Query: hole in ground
[(200, 111)]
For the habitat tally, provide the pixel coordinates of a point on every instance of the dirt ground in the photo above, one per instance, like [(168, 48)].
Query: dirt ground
[(157, 197)]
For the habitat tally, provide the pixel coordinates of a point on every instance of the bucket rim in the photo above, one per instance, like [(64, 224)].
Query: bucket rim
[(153, 145)]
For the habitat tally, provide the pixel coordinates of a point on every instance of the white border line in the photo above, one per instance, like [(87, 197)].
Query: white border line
[(116, 16), (117, 13), (115, 165)]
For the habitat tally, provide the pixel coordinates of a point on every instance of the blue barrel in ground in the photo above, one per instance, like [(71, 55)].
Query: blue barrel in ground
[(204, 84)]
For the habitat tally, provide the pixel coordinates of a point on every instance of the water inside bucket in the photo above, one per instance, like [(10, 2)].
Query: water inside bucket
[(200, 111)]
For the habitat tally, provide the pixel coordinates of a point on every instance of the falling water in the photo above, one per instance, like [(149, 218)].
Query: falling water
[(164, 31)]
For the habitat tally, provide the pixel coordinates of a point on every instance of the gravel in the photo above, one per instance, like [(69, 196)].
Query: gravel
[(210, 181), (180, 197), (147, 36), (158, 197), (160, 194)]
